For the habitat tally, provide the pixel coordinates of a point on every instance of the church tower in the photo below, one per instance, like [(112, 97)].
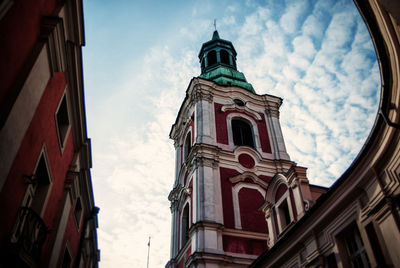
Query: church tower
[(236, 191)]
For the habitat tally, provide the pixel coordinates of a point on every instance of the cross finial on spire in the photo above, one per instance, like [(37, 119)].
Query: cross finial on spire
[(215, 24)]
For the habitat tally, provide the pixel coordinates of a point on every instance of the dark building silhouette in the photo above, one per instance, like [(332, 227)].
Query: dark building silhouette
[(48, 215)]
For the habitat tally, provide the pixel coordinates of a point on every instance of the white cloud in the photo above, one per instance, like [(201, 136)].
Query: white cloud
[(292, 18)]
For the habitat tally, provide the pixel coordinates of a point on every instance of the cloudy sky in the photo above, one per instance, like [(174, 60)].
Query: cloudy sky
[(139, 59)]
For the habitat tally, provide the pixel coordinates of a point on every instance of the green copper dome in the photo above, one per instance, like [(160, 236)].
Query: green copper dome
[(218, 63)]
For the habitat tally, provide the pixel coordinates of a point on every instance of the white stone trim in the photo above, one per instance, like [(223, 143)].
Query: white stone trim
[(204, 121), (250, 175), (235, 107), (55, 253), (276, 181), (235, 198), (22, 112), (278, 138)]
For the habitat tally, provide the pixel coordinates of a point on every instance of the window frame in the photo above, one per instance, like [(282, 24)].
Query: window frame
[(78, 218), (346, 256), (30, 192), (183, 242), (282, 221), (235, 200), (31, 189), (245, 130), (187, 149), (253, 126), (63, 129)]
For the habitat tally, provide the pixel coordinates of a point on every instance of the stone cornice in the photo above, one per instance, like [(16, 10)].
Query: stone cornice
[(250, 175), (244, 109)]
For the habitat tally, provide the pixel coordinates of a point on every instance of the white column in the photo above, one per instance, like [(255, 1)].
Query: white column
[(177, 161), (209, 197), (271, 229), (279, 139), (55, 253), (298, 201), (174, 229), (205, 125)]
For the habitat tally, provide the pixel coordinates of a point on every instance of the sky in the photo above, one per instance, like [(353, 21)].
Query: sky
[(139, 58)]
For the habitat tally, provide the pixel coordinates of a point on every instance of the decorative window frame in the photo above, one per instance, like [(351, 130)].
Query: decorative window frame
[(235, 198), (78, 218), (254, 129), (62, 140), (344, 254), (30, 191), (284, 198), (274, 205), (185, 155)]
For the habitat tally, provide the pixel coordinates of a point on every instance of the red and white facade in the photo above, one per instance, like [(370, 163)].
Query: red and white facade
[(225, 186), (48, 217)]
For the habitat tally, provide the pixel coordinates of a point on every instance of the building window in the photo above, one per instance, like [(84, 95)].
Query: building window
[(67, 259), (212, 58), (40, 185), (242, 133), (187, 147), (30, 230), (78, 211), (224, 56), (185, 225), (354, 254), (62, 121), (284, 214), (239, 102)]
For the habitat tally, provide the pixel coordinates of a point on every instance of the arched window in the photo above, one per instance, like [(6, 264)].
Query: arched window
[(242, 134), (185, 225), (212, 58), (224, 56), (203, 64), (187, 147)]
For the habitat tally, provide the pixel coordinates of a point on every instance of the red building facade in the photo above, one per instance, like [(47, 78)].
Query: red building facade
[(236, 191), (46, 199)]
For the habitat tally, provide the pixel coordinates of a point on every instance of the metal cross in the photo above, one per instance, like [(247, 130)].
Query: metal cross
[(215, 24)]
